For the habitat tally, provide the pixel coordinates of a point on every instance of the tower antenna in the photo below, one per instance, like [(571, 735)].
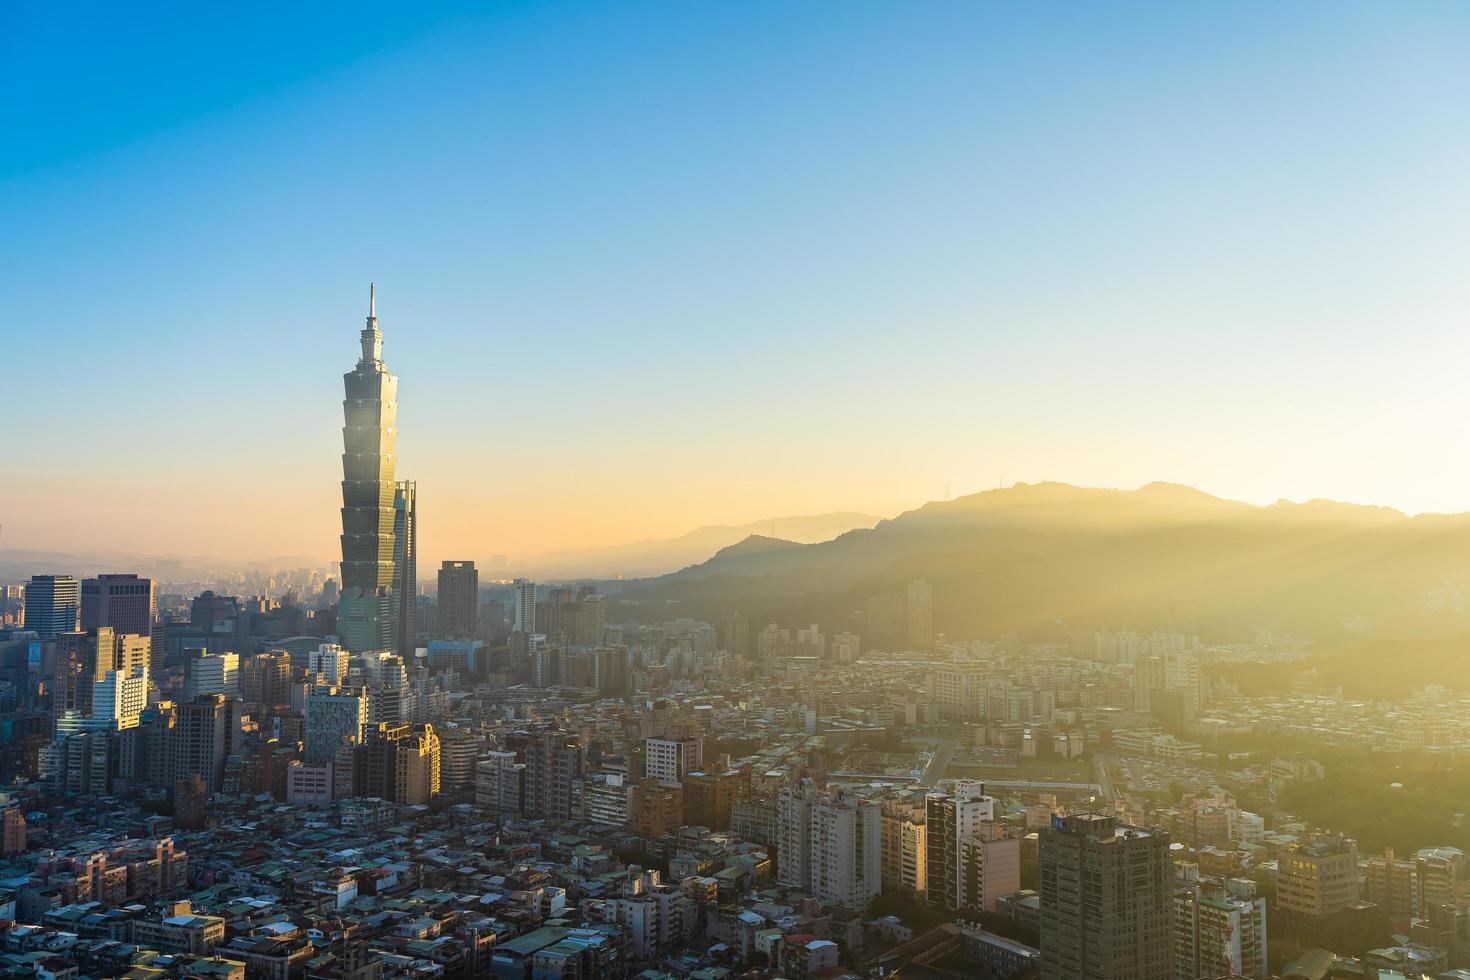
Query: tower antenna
[(372, 300)]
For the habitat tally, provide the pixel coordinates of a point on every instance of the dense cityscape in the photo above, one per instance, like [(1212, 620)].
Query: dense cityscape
[(838, 491), (297, 774)]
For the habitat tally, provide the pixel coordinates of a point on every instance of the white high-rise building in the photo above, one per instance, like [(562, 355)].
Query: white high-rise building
[(329, 660), (118, 698), (212, 673), (829, 845), (669, 760), (525, 606)]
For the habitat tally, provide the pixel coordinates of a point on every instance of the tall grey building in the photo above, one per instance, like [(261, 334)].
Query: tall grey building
[(52, 604), (525, 606), (1107, 906), (459, 600), (405, 563), (365, 611), (123, 602)]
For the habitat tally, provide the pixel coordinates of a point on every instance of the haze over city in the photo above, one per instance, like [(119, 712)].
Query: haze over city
[(646, 268)]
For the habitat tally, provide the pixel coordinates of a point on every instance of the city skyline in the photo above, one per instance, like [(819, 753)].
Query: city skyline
[(1062, 247)]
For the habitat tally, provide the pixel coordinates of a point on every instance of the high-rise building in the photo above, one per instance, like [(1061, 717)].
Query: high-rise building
[(669, 760), (846, 647), (1219, 928), (950, 820), (52, 604), (405, 563), (459, 600), (525, 606), (655, 809), (920, 615), (333, 719), (365, 610), (554, 760), (398, 762), (204, 734), (118, 699), (591, 621), (211, 673), (500, 782), (84, 658), (710, 797), (123, 602), (1318, 877), (1106, 903), (834, 843), (903, 835), (328, 661), (265, 679), (610, 666)]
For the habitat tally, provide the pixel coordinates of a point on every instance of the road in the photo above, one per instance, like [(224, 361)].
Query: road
[(938, 762)]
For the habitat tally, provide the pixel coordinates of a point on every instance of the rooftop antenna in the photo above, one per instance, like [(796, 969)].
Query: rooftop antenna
[(372, 300)]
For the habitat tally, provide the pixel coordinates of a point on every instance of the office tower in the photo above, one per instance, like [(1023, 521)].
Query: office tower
[(265, 679), (710, 797), (500, 782), (459, 600), (52, 605), (123, 602), (118, 699), (1105, 900), (365, 611), (950, 818), (204, 734), (1219, 928), (328, 661), (1318, 877), (211, 673), (82, 658), (405, 563), (903, 841), (525, 606), (333, 719), (920, 615), (554, 760), (655, 809), (669, 760), (397, 762)]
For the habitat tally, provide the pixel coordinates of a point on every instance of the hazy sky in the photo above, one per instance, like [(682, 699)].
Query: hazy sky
[(644, 266)]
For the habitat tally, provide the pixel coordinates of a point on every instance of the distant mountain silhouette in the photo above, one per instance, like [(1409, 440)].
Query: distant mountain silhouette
[(660, 556), (1052, 559)]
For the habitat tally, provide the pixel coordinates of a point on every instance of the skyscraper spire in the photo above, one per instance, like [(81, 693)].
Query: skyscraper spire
[(372, 337)]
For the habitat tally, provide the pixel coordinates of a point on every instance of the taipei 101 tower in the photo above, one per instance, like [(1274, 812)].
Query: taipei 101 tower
[(366, 617)]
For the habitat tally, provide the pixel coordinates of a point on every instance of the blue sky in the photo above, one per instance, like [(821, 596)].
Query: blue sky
[(643, 266)]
